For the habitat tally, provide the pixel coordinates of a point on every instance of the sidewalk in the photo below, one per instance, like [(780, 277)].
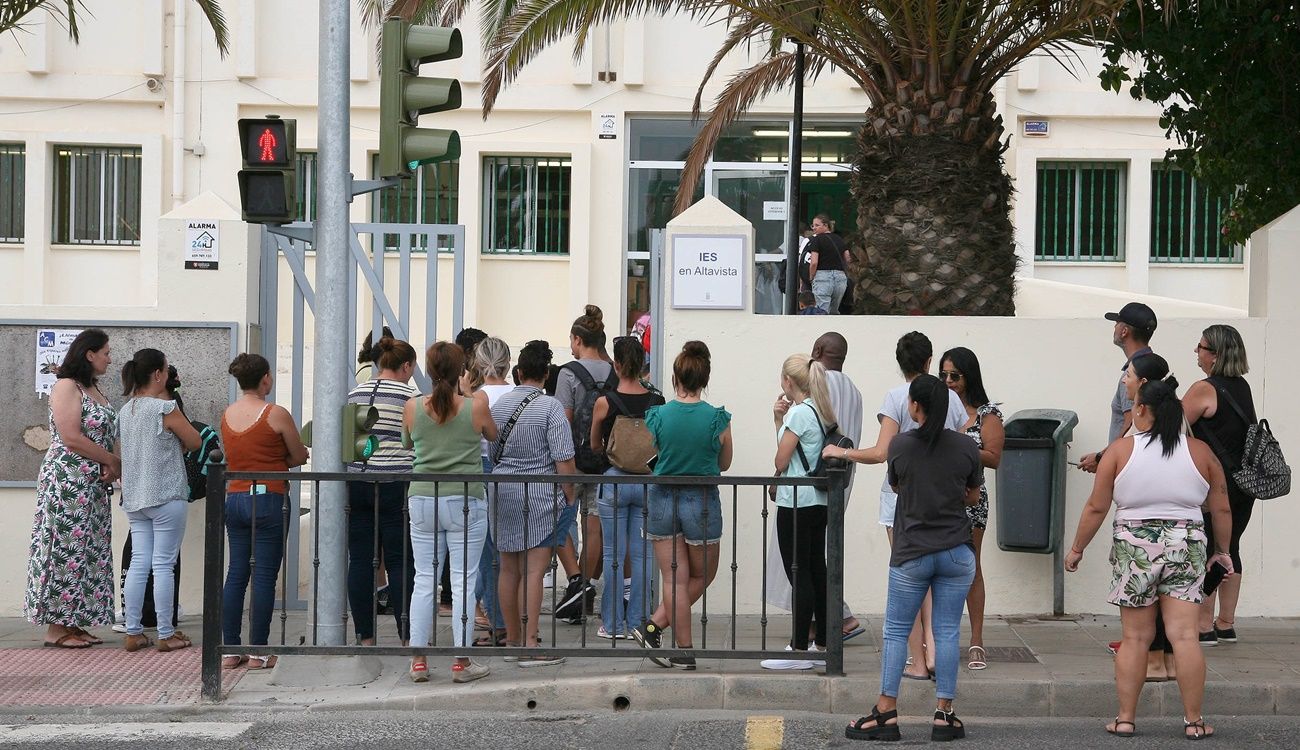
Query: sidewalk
[(1037, 668)]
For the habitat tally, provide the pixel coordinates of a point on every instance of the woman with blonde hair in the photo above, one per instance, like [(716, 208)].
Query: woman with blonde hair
[(803, 416)]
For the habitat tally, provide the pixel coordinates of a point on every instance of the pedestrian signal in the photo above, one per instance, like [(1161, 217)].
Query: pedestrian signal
[(268, 181)]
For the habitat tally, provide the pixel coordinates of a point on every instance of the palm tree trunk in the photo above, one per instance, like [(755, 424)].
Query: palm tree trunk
[(933, 211)]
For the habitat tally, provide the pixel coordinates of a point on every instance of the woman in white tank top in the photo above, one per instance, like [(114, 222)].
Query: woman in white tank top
[(1158, 480)]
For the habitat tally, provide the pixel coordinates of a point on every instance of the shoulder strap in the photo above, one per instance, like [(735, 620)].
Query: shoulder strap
[(509, 426), (798, 444), (581, 374), (617, 402), (1232, 402)]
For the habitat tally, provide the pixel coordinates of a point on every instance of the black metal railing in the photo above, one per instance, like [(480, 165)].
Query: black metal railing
[(748, 495)]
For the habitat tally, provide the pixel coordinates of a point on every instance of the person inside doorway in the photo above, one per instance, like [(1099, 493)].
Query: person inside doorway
[(828, 259)]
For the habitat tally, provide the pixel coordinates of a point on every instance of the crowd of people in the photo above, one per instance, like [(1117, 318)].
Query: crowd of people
[(1177, 509)]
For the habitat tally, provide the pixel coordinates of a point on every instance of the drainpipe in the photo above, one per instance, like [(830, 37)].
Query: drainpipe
[(178, 102)]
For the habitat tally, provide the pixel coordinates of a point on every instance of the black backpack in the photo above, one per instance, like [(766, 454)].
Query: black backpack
[(588, 461), (196, 461), (831, 436)]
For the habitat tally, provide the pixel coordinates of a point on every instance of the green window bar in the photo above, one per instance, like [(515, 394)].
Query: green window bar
[(1080, 211), (1186, 220), (13, 176), (526, 204), (96, 195), (431, 196)]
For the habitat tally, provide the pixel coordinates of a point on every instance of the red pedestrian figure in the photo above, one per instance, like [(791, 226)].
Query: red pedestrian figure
[(267, 142)]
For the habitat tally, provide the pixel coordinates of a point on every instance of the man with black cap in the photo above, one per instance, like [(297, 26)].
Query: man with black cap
[(1135, 323)]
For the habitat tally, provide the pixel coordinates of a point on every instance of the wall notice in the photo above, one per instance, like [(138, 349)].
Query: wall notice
[(51, 347), (709, 272), (202, 245)]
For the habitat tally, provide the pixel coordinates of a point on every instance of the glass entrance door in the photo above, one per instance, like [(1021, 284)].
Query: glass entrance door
[(760, 196)]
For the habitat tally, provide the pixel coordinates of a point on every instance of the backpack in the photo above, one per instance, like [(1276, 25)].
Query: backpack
[(196, 463), (630, 446), (589, 461), (831, 436), (1262, 472)]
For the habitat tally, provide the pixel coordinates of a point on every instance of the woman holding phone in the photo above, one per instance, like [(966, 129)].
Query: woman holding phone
[(1158, 480)]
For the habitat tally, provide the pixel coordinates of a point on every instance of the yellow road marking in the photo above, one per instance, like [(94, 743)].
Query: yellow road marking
[(764, 732)]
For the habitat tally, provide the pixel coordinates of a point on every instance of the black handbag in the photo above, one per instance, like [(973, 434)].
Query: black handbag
[(1263, 472)]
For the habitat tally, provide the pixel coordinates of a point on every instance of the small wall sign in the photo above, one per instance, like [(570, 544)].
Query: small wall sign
[(709, 272), (202, 245), (1036, 128)]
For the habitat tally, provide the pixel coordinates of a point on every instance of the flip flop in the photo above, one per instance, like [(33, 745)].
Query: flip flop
[(83, 634), (62, 642), (977, 658), (854, 633), (916, 677)]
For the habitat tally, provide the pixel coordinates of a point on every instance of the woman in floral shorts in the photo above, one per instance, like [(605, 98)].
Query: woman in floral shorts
[(1158, 480)]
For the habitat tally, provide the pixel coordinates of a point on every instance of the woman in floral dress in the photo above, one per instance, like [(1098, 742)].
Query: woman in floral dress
[(70, 571)]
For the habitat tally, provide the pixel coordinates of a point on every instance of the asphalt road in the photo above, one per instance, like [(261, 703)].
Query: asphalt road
[(685, 730)]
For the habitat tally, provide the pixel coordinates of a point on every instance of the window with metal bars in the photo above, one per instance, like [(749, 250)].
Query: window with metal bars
[(96, 195), (431, 196), (13, 181), (1186, 220), (1080, 211), (526, 204), (307, 174)]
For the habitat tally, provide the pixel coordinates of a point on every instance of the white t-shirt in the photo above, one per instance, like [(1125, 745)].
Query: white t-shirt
[(895, 407), (493, 392)]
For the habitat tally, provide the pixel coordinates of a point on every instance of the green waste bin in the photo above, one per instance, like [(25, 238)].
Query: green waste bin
[(1030, 501)]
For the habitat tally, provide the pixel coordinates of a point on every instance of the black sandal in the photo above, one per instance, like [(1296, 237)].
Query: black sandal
[(491, 640), (881, 730), (953, 729), (1200, 731), (1121, 733)]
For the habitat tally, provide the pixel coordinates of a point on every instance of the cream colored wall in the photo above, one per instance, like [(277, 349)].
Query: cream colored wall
[(1027, 362)]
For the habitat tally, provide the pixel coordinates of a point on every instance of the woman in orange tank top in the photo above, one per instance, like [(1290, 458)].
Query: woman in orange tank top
[(256, 436)]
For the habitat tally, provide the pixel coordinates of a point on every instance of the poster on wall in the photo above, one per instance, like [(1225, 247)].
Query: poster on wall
[(709, 272), (51, 347), (202, 245)]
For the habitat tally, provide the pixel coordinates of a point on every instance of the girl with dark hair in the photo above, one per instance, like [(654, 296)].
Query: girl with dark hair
[(155, 494), (257, 436), (960, 369), (622, 506), (448, 521), (529, 520), (366, 356), (1220, 409), (1158, 480), (375, 511), (936, 473), (70, 567), (693, 438)]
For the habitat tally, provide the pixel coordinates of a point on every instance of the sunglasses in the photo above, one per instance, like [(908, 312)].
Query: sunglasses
[(951, 376), (1205, 348)]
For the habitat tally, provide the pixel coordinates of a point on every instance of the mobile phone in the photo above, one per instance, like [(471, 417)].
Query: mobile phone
[(1213, 577)]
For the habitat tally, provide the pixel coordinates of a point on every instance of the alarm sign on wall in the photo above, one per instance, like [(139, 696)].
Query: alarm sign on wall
[(709, 272)]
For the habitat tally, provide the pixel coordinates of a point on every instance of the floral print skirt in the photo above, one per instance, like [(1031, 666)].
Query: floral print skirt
[(1155, 558)]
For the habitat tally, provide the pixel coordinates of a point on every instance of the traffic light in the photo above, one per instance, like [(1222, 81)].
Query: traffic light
[(404, 96), (358, 443), (268, 181)]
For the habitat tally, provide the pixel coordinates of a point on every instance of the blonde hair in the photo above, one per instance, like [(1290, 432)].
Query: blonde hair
[(809, 376), (492, 357)]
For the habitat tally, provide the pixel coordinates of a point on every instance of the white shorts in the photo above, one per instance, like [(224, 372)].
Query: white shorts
[(888, 501)]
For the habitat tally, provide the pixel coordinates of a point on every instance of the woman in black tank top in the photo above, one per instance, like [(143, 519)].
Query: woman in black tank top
[(1211, 407)]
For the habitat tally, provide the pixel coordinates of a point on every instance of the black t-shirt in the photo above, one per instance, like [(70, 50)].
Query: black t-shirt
[(636, 404), (931, 486), (830, 249)]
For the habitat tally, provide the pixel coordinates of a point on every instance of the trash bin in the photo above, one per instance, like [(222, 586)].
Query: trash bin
[(1031, 480)]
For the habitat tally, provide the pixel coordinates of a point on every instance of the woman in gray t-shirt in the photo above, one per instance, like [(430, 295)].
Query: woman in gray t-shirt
[(155, 494)]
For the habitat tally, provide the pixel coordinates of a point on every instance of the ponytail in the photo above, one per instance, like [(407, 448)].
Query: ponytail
[(136, 373), (1161, 397), (929, 393), (809, 376), (445, 363)]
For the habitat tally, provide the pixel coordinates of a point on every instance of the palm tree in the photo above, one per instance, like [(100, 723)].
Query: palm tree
[(67, 12), (934, 227)]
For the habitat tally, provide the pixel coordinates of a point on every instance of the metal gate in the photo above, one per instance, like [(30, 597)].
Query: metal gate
[(372, 246)]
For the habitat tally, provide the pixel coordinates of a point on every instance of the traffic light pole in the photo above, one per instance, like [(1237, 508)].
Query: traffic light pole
[(332, 357)]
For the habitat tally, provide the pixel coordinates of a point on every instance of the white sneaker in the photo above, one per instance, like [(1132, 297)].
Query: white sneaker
[(627, 589), (119, 627), (548, 580), (790, 664), (603, 633), (812, 649)]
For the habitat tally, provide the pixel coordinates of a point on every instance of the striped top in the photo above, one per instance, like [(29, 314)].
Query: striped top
[(524, 515), (390, 399)]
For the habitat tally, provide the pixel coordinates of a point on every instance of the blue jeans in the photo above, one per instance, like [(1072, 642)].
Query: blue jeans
[(363, 523), (948, 574), (829, 287), (156, 535), (256, 548), (452, 528), (621, 534), (486, 590)]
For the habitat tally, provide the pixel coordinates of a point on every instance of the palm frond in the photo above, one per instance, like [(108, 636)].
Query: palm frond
[(217, 20), (13, 12)]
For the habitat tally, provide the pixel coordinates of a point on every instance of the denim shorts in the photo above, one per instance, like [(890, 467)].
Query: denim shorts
[(564, 527), (698, 518)]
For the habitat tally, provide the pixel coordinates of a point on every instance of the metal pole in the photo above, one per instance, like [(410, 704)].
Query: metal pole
[(838, 477), (214, 559), (796, 171), (333, 320)]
